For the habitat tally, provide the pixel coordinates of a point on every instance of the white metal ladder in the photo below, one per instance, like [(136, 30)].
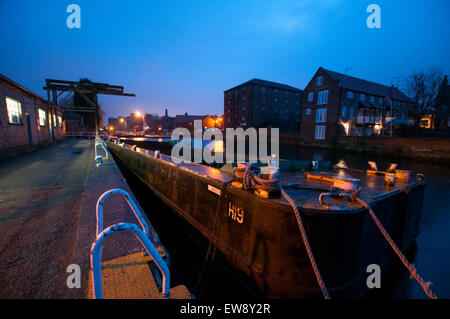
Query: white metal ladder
[(99, 158), (141, 234)]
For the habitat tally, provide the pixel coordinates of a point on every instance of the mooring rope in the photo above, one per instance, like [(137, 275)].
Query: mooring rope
[(412, 269), (319, 278), (251, 180)]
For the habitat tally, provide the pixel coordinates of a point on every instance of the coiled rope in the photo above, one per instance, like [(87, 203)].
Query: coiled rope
[(252, 180), (412, 269)]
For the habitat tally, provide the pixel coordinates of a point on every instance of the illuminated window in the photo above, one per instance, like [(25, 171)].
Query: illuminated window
[(59, 121), (14, 111), (54, 120), (321, 115), (322, 98), (42, 117), (362, 97), (320, 132)]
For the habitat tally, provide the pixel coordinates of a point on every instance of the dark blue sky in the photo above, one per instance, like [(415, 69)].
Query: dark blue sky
[(182, 55)]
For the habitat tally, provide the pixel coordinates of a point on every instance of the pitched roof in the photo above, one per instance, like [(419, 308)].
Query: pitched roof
[(269, 84), (364, 86), (22, 88)]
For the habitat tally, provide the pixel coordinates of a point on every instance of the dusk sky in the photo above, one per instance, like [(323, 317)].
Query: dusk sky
[(182, 55)]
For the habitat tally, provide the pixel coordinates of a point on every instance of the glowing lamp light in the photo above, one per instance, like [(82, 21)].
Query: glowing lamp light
[(346, 128), (218, 147), (378, 128), (138, 114)]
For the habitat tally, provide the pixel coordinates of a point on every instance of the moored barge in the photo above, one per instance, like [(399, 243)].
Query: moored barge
[(260, 236)]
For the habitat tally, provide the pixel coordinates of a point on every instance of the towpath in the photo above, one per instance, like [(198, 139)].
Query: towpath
[(47, 219)]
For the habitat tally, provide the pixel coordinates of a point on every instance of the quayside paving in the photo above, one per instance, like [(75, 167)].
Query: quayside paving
[(48, 221)]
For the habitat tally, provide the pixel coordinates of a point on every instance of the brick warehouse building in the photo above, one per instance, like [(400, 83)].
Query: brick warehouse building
[(26, 119), (336, 104), (258, 103)]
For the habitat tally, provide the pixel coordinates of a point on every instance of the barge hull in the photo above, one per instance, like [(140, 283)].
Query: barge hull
[(261, 238)]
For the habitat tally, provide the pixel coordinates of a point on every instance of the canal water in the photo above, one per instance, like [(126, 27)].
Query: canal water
[(215, 280)]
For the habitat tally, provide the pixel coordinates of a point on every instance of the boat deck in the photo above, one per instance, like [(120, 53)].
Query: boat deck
[(305, 191)]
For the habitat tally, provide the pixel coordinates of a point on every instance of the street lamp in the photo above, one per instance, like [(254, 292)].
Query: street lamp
[(138, 114), (122, 120)]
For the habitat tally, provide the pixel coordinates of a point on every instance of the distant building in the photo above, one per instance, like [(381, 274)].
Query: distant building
[(26, 119), (162, 124), (113, 122), (187, 121), (135, 122), (336, 104), (258, 103)]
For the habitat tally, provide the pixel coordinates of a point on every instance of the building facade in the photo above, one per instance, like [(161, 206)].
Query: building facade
[(26, 119), (187, 121), (258, 103), (335, 104)]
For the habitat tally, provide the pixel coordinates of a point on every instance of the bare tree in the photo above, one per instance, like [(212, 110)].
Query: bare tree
[(101, 116), (423, 88)]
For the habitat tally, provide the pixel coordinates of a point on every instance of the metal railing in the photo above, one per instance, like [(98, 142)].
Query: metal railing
[(131, 203), (99, 141), (143, 235), (96, 257)]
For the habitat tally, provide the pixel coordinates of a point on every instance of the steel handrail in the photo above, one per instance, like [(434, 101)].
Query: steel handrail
[(131, 203), (99, 141), (96, 258)]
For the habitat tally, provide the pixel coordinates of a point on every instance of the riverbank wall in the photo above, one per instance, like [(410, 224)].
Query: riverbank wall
[(424, 149)]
